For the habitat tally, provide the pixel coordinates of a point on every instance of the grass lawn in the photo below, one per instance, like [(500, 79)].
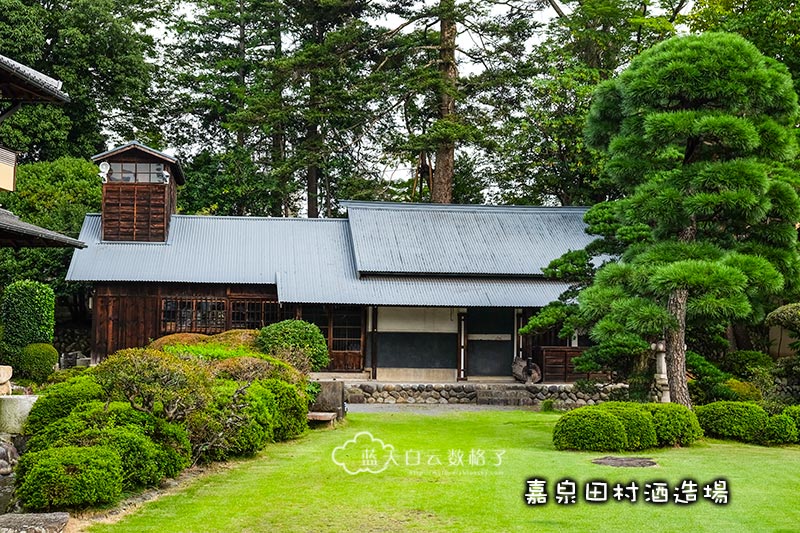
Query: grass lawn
[(297, 486)]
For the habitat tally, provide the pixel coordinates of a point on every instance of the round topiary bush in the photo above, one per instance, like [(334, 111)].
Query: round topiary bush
[(292, 335), (794, 412), (28, 313), (70, 477), (56, 401), (638, 422), (780, 429), (176, 338), (733, 420), (591, 429), (35, 362), (675, 424)]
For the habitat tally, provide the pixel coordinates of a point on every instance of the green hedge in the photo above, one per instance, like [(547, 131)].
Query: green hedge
[(794, 412), (35, 362), (70, 477), (780, 429), (733, 420), (589, 428), (290, 411), (238, 421), (28, 313), (638, 422), (675, 424), (292, 336), (58, 400)]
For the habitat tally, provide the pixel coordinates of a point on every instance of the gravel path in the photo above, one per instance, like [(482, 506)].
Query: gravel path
[(429, 409)]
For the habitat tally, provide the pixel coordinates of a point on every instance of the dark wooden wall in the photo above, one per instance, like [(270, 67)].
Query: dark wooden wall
[(128, 315)]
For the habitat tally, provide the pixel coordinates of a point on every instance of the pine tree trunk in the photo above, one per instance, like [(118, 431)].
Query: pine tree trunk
[(313, 141), (675, 341), (442, 189)]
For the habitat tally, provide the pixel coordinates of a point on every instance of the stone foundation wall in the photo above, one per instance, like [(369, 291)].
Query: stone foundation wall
[(789, 391), (520, 394)]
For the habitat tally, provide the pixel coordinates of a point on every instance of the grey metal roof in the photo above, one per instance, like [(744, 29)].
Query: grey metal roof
[(466, 240), (26, 84), (18, 234), (311, 260)]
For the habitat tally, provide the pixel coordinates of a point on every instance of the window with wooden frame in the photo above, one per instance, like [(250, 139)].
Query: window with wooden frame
[(255, 314), (347, 329), (192, 315)]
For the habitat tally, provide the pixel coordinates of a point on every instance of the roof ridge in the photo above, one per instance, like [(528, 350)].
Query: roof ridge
[(458, 207)]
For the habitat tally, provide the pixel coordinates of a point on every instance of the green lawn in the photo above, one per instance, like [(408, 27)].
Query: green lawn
[(297, 486)]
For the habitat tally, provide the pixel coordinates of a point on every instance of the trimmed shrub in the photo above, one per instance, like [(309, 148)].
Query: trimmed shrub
[(675, 424), (290, 411), (69, 477), (237, 422), (60, 376), (252, 368), (638, 422), (56, 401), (780, 429), (209, 351), (176, 338), (156, 382), (35, 362), (28, 313), (744, 391), (548, 406), (237, 338), (742, 362), (590, 429), (292, 335), (732, 420), (794, 412)]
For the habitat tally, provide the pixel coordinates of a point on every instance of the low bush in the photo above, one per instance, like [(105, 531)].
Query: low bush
[(70, 477), (140, 457), (708, 383), (744, 391), (742, 362), (156, 382), (640, 430), (237, 338), (547, 406), (237, 422), (177, 338), (57, 401), (290, 335), (290, 411), (60, 376), (210, 351), (793, 411), (590, 429), (732, 420), (675, 425), (35, 362), (253, 368), (28, 313), (780, 429)]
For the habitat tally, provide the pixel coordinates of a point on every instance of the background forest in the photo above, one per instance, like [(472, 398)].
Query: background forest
[(286, 108)]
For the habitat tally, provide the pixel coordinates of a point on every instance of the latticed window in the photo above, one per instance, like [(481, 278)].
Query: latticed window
[(137, 172), (192, 315), (255, 314)]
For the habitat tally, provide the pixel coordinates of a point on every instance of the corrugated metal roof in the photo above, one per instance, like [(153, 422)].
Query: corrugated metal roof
[(18, 234), (310, 260), (48, 88), (427, 239)]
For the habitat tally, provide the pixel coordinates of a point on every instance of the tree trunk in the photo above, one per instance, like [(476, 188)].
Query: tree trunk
[(313, 142), (675, 341), (442, 189)]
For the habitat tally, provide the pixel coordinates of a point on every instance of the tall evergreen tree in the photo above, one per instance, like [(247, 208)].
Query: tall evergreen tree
[(696, 130)]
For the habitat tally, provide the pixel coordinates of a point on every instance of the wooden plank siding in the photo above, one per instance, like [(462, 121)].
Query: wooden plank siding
[(137, 211), (129, 315)]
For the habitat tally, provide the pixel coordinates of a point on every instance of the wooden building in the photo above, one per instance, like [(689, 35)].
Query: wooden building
[(401, 291)]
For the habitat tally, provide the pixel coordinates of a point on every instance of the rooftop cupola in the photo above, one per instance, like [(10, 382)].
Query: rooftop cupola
[(139, 192)]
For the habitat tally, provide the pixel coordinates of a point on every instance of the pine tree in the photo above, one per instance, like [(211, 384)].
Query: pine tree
[(696, 131)]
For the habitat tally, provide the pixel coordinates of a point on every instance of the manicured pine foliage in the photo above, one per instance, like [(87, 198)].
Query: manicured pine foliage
[(696, 131)]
